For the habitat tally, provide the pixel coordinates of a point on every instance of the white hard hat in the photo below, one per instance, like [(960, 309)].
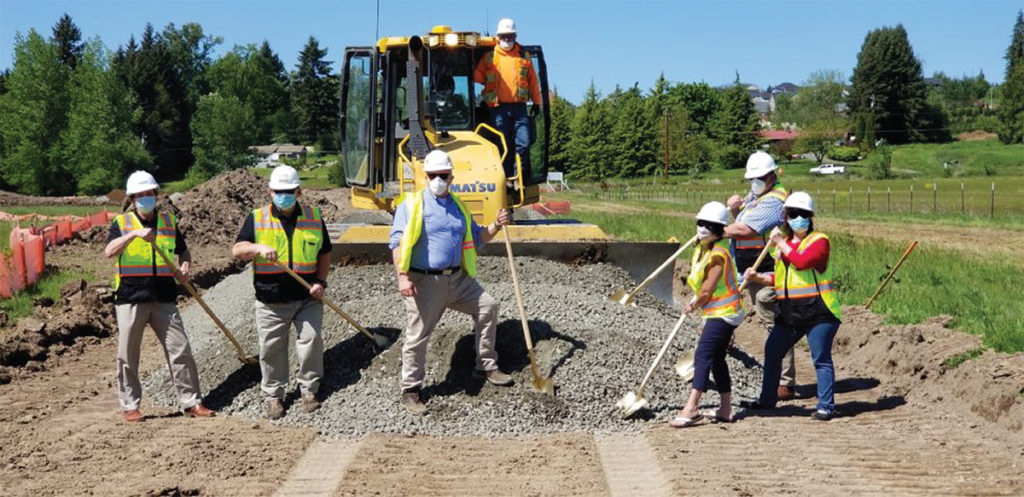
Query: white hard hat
[(437, 161), (759, 164), (140, 181), (284, 178), (714, 212), (506, 26), (800, 200)]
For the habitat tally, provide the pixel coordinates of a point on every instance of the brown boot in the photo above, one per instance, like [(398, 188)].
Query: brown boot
[(275, 408), (496, 377), (786, 392), (133, 416), (412, 403), (198, 411), (309, 402)]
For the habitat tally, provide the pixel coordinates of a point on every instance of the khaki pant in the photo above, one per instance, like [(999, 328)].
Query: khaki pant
[(763, 298), (434, 294), (272, 324), (166, 322)]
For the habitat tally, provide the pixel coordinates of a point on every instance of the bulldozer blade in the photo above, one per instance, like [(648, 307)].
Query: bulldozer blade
[(684, 366)]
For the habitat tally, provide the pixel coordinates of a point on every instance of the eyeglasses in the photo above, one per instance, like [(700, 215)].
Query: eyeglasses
[(507, 37), (286, 191), (706, 224), (443, 176), (791, 213)]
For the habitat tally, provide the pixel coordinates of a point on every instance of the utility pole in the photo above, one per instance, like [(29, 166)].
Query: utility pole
[(666, 144)]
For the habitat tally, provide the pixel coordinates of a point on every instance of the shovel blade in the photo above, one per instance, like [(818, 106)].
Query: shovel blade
[(684, 366), (633, 408), (544, 385), (621, 297)]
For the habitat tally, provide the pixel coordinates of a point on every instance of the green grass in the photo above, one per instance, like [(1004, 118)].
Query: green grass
[(955, 361), (311, 178), (20, 305), (55, 210), (974, 158), (982, 295)]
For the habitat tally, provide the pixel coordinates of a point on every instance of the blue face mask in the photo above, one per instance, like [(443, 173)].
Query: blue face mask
[(145, 205), (799, 224), (284, 201)]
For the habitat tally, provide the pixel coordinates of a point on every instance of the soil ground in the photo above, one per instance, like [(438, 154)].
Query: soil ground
[(910, 426)]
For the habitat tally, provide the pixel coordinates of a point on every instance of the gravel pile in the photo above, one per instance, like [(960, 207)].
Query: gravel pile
[(595, 351)]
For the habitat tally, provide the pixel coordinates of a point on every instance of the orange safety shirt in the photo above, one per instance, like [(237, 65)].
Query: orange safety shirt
[(507, 66)]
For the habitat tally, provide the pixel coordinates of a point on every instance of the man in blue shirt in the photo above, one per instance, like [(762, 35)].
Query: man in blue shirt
[(434, 242)]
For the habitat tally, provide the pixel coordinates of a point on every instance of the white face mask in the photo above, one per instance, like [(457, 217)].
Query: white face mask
[(506, 45), (703, 233), (438, 186), (757, 186)]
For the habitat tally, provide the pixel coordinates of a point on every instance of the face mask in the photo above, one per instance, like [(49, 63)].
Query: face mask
[(145, 205), (284, 201), (506, 45), (757, 186), (703, 233), (438, 186), (800, 224)]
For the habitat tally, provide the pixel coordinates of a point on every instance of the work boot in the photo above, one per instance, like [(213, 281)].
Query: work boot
[(823, 415), (496, 377), (309, 402), (198, 411), (133, 416), (786, 392), (412, 403), (275, 409)]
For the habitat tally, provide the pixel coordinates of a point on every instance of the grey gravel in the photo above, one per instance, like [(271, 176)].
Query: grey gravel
[(594, 349)]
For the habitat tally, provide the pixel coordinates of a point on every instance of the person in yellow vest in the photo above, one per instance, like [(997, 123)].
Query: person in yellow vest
[(145, 292), (292, 233), (510, 80), (715, 284), (755, 215), (434, 242), (806, 303)]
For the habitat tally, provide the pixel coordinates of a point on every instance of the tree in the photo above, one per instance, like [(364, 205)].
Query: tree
[(888, 88), (1011, 110), (254, 76), (733, 126), (820, 135), (315, 96), (633, 136), (223, 129), (189, 50), (561, 132), (33, 113), (820, 98), (68, 39), (590, 150), (98, 148)]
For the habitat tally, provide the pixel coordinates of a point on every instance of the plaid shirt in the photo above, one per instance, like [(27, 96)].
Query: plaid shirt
[(763, 216)]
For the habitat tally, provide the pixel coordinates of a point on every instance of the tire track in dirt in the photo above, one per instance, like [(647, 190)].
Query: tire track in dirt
[(320, 469), (630, 467)]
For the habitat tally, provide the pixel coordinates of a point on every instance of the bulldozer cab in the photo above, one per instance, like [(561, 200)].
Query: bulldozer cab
[(407, 95)]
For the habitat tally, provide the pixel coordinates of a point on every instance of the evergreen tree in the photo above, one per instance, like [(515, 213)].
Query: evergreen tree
[(733, 126), (590, 150), (315, 96), (4, 75), (33, 113), (189, 50), (68, 39), (887, 86), (702, 103), (633, 136), (224, 127), (561, 133), (253, 76), (1011, 110)]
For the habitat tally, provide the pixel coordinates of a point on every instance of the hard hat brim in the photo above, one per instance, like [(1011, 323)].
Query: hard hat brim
[(281, 185)]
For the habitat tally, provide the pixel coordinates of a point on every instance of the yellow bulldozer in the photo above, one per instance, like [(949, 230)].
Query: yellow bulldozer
[(408, 95)]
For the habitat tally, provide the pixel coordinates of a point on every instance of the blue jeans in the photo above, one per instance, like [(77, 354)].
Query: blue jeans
[(709, 358), (781, 339), (511, 120)]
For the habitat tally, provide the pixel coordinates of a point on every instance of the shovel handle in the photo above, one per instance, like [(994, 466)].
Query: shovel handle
[(519, 293), (906, 253), (195, 295), (760, 259), (326, 300), (643, 284), (661, 353)]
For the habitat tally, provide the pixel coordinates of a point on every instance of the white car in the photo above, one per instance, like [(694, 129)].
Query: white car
[(828, 169)]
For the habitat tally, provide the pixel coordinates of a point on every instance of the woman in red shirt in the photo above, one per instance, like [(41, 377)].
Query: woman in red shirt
[(805, 304)]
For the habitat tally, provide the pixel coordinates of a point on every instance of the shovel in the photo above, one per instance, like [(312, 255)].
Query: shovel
[(250, 360), (624, 298), (540, 383), (633, 402), (684, 366), (378, 340)]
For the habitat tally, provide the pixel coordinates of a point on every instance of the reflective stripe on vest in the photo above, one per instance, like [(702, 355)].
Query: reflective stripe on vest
[(522, 84), (796, 284), (139, 258), (307, 239), (725, 300), (414, 228), (757, 242)]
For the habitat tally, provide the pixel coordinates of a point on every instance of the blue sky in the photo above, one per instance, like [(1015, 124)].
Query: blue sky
[(611, 42)]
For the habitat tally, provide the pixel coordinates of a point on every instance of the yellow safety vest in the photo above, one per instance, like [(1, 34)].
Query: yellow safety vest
[(799, 285), (522, 84), (307, 239), (139, 258), (757, 242), (414, 228), (725, 301)]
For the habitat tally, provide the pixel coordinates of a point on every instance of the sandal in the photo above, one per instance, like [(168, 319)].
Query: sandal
[(715, 418), (684, 422)]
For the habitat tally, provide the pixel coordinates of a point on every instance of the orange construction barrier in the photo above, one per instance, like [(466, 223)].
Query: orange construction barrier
[(16, 262), (35, 257), (63, 230), (5, 278)]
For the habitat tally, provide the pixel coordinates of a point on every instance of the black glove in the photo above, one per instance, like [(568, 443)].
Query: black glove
[(534, 110)]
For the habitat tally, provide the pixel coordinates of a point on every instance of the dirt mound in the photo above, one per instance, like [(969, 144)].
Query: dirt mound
[(83, 315), (979, 135), (935, 367), (11, 198)]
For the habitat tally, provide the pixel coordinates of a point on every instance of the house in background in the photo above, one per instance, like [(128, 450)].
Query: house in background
[(271, 155)]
